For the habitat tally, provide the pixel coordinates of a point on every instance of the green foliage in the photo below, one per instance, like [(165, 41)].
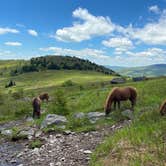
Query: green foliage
[(1, 97), (59, 104), (68, 83), (60, 62), (37, 143), (19, 94), (145, 135)]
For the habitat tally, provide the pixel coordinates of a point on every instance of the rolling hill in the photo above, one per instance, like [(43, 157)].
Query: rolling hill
[(149, 71), (53, 62)]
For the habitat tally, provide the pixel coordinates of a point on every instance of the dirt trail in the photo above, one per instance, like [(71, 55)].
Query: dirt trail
[(70, 149)]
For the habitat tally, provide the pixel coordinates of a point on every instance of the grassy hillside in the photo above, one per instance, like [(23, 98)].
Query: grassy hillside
[(49, 78), (149, 71), (142, 143), (58, 62)]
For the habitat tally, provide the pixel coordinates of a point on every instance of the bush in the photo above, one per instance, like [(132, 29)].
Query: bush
[(18, 95), (68, 83), (59, 105), (35, 144), (1, 98)]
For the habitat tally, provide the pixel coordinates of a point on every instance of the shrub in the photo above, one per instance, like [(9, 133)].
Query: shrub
[(1, 98), (35, 144), (59, 105), (68, 83), (18, 95)]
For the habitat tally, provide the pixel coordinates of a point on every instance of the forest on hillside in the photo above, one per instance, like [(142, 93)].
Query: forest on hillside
[(59, 63)]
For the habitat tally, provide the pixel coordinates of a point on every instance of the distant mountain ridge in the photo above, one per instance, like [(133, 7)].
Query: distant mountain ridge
[(149, 71)]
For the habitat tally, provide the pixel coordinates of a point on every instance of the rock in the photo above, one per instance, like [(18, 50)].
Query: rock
[(67, 132), (87, 152), (51, 164), (94, 116), (53, 119), (29, 119), (27, 132), (8, 132), (128, 114), (38, 133), (79, 115), (58, 164)]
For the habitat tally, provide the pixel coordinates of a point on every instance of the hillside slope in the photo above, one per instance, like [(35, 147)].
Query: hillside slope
[(53, 62), (149, 71)]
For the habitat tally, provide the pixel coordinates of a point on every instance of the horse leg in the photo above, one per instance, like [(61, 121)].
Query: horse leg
[(132, 104), (119, 104), (114, 105)]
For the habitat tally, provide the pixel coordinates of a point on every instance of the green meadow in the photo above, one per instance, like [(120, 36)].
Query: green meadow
[(142, 143)]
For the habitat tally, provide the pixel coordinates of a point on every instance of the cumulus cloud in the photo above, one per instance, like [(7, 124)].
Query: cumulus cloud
[(90, 26), (7, 30), (120, 44), (32, 32), (83, 53), (150, 52), (152, 33), (154, 9), (13, 43)]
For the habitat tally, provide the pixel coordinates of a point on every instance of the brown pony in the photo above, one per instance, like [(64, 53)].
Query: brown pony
[(163, 108), (44, 96), (36, 107), (120, 94)]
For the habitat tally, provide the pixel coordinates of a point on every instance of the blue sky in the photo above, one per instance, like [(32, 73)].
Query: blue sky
[(108, 32)]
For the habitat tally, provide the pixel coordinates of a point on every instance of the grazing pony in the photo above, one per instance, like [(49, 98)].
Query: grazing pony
[(163, 108), (36, 107), (44, 96), (120, 94)]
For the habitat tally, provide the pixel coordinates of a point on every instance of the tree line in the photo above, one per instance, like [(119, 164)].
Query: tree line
[(58, 63)]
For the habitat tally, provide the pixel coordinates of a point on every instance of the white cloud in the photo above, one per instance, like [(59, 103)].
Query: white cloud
[(13, 43), (83, 53), (150, 52), (32, 32), (121, 44), (152, 33), (8, 30), (89, 26), (154, 9)]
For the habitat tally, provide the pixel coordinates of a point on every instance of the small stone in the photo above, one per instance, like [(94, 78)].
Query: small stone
[(128, 114), (51, 164), (87, 152), (79, 115), (38, 133), (58, 164), (67, 132)]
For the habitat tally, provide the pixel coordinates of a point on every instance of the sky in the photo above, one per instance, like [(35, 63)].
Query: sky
[(107, 32)]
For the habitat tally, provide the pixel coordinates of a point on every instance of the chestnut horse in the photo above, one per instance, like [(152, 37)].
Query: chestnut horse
[(163, 108), (44, 96), (120, 94), (36, 107)]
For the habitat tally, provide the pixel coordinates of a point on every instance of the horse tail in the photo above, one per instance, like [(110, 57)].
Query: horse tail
[(163, 108)]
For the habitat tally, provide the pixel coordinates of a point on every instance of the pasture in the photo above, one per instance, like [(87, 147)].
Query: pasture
[(143, 143)]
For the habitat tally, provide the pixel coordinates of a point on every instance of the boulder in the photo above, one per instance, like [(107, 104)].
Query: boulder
[(79, 115), (8, 132), (94, 116), (118, 80), (27, 132), (128, 114), (53, 119)]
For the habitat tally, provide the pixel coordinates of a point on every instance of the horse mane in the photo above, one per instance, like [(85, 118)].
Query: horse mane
[(44, 96), (109, 97)]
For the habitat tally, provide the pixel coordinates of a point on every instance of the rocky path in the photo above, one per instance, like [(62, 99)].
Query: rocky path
[(68, 149)]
